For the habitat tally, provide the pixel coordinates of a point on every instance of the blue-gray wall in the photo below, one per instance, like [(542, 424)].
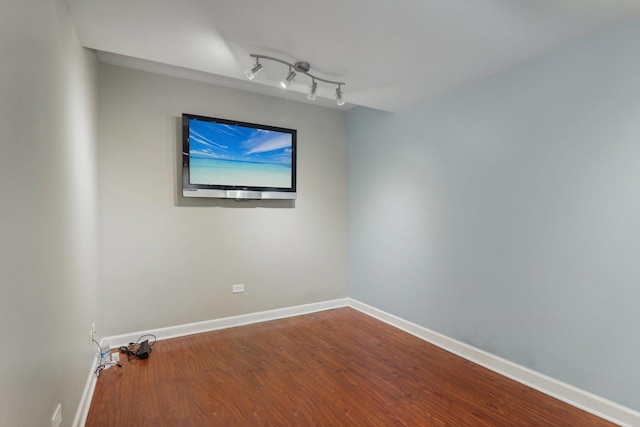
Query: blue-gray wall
[(506, 214)]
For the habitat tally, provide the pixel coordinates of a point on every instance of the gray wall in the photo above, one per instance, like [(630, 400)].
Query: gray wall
[(506, 214), (48, 217), (166, 260)]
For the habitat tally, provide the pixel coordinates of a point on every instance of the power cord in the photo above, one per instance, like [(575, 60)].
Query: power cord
[(133, 350), (103, 366), (98, 344)]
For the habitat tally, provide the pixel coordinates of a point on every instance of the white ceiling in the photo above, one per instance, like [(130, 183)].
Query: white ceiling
[(391, 54)]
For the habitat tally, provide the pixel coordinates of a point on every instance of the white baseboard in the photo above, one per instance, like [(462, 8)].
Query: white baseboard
[(85, 401), (195, 328), (227, 322), (584, 400)]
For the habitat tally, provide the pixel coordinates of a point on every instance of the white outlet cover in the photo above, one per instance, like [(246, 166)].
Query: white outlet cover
[(238, 288), (56, 418)]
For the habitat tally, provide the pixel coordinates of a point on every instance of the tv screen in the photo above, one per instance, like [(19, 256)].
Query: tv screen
[(230, 159)]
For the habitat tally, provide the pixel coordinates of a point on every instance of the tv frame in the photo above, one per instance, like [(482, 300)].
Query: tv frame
[(237, 192)]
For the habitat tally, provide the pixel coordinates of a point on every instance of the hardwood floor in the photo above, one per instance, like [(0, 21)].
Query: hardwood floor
[(332, 368)]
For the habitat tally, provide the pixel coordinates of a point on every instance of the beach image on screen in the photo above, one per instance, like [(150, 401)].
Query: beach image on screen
[(229, 155)]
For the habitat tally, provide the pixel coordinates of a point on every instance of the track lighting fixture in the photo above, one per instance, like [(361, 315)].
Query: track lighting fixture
[(253, 72), (290, 78), (312, 91), (298, 67), (339, 97)]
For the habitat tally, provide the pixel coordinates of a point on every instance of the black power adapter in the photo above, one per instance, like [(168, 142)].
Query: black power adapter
[(143, 351), (139, 350)]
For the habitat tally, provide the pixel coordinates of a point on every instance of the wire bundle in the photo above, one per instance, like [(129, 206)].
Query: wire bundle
[(103, 366), (132, 349)]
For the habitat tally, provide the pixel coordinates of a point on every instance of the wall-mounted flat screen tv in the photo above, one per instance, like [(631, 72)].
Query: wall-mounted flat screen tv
[(236, 160)]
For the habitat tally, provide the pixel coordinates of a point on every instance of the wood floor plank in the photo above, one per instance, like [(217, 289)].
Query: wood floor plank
[(332, 368)]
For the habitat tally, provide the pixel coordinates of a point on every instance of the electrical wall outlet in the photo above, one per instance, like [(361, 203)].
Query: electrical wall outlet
[(92, 332), (238, 288), (56, 418)]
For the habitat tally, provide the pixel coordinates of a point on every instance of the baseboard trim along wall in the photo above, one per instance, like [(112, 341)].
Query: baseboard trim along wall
[(227, 322), (87, 395), (574, 396), (584, 400)]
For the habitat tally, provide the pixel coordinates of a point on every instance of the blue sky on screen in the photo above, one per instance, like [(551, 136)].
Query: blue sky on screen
[(227, 142)]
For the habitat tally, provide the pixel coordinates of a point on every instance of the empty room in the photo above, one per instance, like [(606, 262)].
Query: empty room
[(332, 213)]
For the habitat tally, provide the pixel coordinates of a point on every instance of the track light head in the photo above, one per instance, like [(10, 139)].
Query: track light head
[(290, 78), (253, 72), (339, 97), (312, 91)]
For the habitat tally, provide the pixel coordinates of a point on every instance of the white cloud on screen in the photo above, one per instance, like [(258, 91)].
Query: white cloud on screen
[(203, 153), (196, 137), (259, 145), (228, 129)]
